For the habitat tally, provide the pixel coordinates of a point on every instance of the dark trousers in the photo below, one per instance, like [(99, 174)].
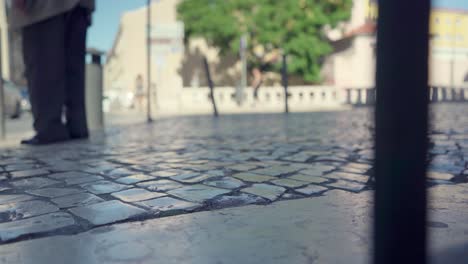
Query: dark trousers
[(54, 56)]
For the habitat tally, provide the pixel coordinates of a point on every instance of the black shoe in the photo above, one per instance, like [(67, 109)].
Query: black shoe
[(34, 141), (77, 137)]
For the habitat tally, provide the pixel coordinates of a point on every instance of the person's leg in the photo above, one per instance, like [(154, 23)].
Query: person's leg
[(76, 27), (44, 58)]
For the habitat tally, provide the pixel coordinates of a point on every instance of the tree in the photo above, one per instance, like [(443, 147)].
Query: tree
[(295, 27)]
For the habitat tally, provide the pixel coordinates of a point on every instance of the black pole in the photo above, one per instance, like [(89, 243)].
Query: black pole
[(401, 132), (285, 80), (211, 85), (149, 118)]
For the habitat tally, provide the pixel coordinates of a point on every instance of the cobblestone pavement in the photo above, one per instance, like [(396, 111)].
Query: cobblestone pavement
[(181, 165)]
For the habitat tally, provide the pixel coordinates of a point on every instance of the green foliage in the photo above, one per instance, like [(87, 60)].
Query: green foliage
[(295, 26)]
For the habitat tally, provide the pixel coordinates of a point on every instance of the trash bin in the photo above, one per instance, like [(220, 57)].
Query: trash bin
[(94, 93)]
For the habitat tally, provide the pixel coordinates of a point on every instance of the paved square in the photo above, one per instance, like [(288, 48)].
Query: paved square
[(179, 165)]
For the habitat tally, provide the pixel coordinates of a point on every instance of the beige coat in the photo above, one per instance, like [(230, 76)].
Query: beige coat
[(39, 10)]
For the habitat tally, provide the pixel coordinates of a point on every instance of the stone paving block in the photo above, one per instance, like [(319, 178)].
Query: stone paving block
[(356, 165), (353, 170), (14, 198), (144, 168), (135, 179), (440, 176), (103, 187), (21, 210), (119, 173), (168, 205), (21, 167), (250, 177), (191, 177), (235, 200), (312, 189), (317, 170), (308, 178), (107, 212), (215, 173), (242, 167), (348, 177), (3, 189), (270, 192), (84, 179), (225, 183), (197, 193), (304, 156), (35, 225), (137, 195), (276, 170), (54, 192), (34, 183), (347, 186), (291, 183), (201, 168), (66, 166), (29, 173), (330, 158), (68, 175), (164, 174), (5, 162), (160, 185), (79, 199)]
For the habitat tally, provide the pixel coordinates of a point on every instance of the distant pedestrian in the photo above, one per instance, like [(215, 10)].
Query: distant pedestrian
[(139, 93), (54, 49), (258, 71)]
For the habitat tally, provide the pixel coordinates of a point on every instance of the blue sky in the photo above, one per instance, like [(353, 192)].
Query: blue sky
[(107, 16), (454, 4), (106, 21)]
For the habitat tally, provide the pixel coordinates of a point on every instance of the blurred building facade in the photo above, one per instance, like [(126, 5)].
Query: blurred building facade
[(174, 64), (11, 52), (352, 65)]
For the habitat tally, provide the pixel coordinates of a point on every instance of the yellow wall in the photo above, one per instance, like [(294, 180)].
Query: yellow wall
[(449, 29), (372, 10)]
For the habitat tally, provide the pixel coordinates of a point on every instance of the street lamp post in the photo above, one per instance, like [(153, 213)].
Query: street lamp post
[(2, 99), (148, 62)]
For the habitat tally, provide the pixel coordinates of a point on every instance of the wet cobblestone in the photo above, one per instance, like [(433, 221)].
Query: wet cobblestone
[(186, 164)]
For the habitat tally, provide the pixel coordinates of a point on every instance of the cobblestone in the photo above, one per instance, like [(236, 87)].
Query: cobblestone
[(102, 187), (250, 177), (312, 189), (29, 173), (267, 191), (74, 200), (161, 185), (226, 183), (13, 198), (33, 183), (107, 212), (180, 165), (168, 205), (54, 192), (136, 195), (308, 178), (21, 210), (197, 193), (135, 178), (35, 225)]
